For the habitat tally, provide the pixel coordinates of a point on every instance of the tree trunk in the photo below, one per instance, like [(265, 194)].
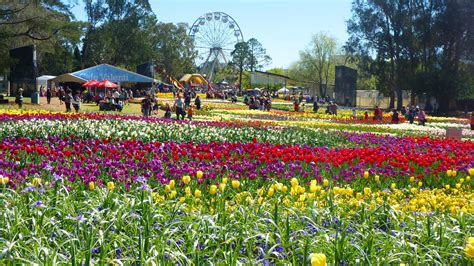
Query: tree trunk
[(240, 78), (399, 99), (392, 100)]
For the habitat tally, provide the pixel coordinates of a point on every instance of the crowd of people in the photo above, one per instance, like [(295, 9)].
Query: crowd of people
[(263, 102)]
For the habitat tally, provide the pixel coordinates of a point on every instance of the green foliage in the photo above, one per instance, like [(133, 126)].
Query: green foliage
[(419, 46), (317, 62)]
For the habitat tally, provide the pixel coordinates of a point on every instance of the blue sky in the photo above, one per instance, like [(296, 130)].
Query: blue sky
[(283, 27)]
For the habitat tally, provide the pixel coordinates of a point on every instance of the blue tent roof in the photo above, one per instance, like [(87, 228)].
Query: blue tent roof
[(111, 73)]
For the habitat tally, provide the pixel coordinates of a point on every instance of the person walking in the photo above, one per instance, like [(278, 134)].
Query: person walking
[(179, 105), (49, 94), (146, 106), (67, 100), (421, 117), (76, 102), (197, 102), (315, 106), (190, 113), (19, 98)]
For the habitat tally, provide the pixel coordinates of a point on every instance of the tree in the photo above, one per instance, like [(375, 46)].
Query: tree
[(240, 59), (40, 22), (317, 62), (174, 48), (257, 55), (114, 28), (413, 45)]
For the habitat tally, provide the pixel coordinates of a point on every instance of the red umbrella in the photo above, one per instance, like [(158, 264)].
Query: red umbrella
[(91, 84), (107, 84)]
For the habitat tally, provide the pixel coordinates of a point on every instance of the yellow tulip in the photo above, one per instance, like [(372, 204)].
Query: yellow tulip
[(314, 182), (469, 250), (224, 180), (235, 184), (270, 192), (4, 180), (294, 182), (367, 191), (91, 186), (366, 174), (420, 183), (454, 173), (213, 189), (284, 189), (187, 190), (171, 183), (173, 194), (376, 178), (110, 185), (197, 193), (167, 188), (458, 186), (36, 182), (447, 186), (318, 259), (471, 171), (222, 186), (468, 178), (199, 174), (412, 179), (186, 179), (312, 188), (449, 172), (461, 180), (393, 186), (325, 182)]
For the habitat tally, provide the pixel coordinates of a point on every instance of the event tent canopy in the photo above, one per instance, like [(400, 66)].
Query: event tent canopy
[(104, 72), (68, 77), (194, 79)]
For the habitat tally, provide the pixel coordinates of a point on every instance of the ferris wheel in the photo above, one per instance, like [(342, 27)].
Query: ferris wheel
[(215, 35)]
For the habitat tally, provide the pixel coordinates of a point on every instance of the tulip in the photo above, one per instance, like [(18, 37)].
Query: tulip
[(284, 189), (458, 186), (294, 182), (91, 186), (318, 259), (420, 183), (367, 191), (222, 186), (213, 189), (167, 188), (270, 192), (187, 190), (4, 180), (366, 174), (412, 179), (197, 193), (393, 186), (468, 178), (447, 186), (199, 174), (235, 184), (325, 182), (171, 183), (186, 179), (172, 194), (454, 173), (471, 171), (36, 182), (224, 180), (110, 185), (449, 172)]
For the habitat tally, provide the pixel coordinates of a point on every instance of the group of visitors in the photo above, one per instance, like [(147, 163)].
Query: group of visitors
[(182, 106), (411, 112), (262, 103)]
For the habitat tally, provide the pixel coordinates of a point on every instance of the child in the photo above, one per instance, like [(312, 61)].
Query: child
[(354, 114), (168, 111), (190, 112), (366, 115)]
